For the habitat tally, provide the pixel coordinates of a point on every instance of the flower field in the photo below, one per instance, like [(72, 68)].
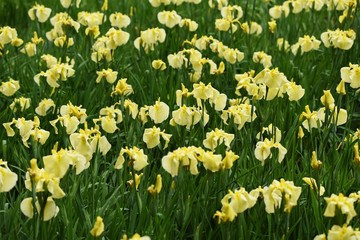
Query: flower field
[(180, 119)]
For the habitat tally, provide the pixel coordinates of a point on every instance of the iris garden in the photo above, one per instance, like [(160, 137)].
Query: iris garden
[(179, 119)]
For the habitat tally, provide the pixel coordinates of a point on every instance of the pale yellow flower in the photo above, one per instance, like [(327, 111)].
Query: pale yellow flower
[(41, 181), (137, 236), (342, 203), (119, 20), (150, 38), (50, 209), (190, 24), (177, 60), (300, 134), (340, 88), (64, 41), (49, 59), (24, 126), (101, 51), (224, 25), (272, 25), (29, 49), (263, 58), (122, 88), (77, 160), (227, 214), (320, 237), (263, 150), (220, 3), (81, 144), (276, 191), (90, 19), (110, 116), (344, 232), (272, 78), (328, 100), (188, 156), (240, 113), (8, 35), (44, 106), (136, 156), (286, 8), (93, 31), (232, 55), (132, 107), (36, 40), (72, 110), (294, 91), (98, 228), (41, 12), (151, 137), (171, 163), (229, 159), (59, 21), (270, 131), (276, 11), (67, 3), (235, 203), (159, 112), (116, 38), (240, 200), (231, 15), (356, 154), (10, 87), (169, 18), (195, 76), (233, 12), (216, 138), (281, 151), (210, 161), (57, 163), (253, 28), (306, 43), (338, 116), (143, 114), (283, 44), (158, 65), (8, 178), (108, 74), (100, 143), (156, 189), (298, 6), (27, 208), (137, 180), (71, 123), (58, 71), (17, 42), (21, 104), (186, 116), (351, 75), (105, 6), (202, 43), (313, 185), (338, 38), (312, 119), (40, 135), (218, 100)]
